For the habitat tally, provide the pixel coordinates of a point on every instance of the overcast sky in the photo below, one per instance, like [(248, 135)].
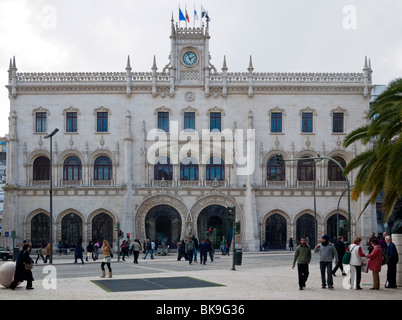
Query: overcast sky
[(281, 36)]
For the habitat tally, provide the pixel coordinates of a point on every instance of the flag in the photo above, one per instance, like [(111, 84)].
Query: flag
[(187, 17), (204, 14), (181, 15), (196, 15)]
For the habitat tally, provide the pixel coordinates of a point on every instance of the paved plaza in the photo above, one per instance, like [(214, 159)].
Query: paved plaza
[(261, 276)]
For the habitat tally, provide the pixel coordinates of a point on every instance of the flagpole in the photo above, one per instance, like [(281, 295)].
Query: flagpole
[(194, 17)]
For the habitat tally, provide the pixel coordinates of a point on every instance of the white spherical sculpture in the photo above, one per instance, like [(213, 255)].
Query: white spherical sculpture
[(7, 271)]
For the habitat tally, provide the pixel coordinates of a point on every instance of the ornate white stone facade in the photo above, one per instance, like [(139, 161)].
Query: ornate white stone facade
[(132, 102)]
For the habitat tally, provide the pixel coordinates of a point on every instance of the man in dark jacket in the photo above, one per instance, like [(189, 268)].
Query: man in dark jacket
[(391, 257), (340, 249)]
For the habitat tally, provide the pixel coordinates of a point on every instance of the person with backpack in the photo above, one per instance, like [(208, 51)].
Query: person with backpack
[(190, 246)]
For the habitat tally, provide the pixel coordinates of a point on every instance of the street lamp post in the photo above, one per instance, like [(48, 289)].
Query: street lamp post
[(50, 194)]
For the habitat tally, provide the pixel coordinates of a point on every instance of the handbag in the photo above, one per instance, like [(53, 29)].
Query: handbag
[(28, 266), (346, 256)]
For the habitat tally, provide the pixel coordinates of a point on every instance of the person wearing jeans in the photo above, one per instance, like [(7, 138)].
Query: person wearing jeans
[(327, 252)]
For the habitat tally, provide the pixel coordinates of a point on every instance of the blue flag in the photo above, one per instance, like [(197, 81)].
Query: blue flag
[(181, 16)]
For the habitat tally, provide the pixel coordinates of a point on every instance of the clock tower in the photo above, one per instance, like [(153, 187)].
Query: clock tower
[(189, 57)]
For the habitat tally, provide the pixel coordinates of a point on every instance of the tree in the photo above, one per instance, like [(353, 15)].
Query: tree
[(380, 168)]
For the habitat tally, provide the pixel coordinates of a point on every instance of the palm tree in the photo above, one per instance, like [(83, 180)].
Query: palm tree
[(381, 166)]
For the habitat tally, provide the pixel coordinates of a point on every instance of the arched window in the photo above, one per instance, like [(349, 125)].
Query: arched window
[(40, 230), (71, 229), (275, 171), (102, 228), (334, 172), (103, 168), (215, 169), (189, 169), (41, 168), (163, 169), (72, 168), (306, 170)]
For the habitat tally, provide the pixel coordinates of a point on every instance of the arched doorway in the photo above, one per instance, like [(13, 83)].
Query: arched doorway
[(343, 227), (275, 232), (163, 223), (305, 227), (102, 228), (213, 222), (40, 231), (71, 229)]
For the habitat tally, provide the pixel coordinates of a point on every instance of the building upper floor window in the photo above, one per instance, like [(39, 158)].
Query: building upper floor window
[(163, 121), (307, 122), (306, 170), (276, 122), (215, 169), (40, 125), (215, 121), (72, 168), (189, 169), (189, 121), (41, 168), (71, 122), (337, 122), (102, 120), (103, 168), (335, 173), (163, 169), (275, 171)]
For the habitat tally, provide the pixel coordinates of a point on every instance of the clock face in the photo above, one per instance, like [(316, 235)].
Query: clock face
[(189, 58)]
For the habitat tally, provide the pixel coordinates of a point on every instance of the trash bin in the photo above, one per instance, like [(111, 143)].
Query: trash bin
[(238, 257)]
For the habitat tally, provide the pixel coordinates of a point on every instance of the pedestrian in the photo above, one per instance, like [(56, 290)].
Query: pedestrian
[(391, 258), (124, 249), (340, 249), (107, 258), (181, 250), (356, 255), (78, 252), (196, 247), (227, 247), (149, 249), (136, 248), (375, 262), (303, 258), (211, 249), (203, 248), (47, 252), (189, 249), (90, 251), (223, 247), (327, 252), (96, 251), (40, 254), (22, 271), (368, 242), (291, 244)]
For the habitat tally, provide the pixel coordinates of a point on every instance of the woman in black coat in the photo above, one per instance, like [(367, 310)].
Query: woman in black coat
[(21, 273)]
